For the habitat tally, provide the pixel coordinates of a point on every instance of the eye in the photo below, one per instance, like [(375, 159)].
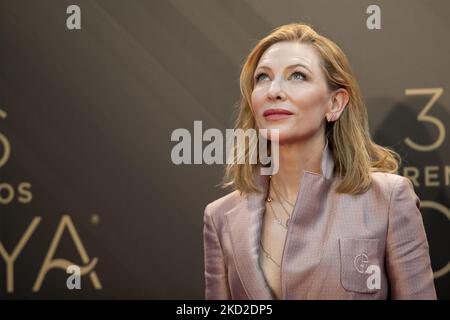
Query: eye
[(298, 76), (260, 76)]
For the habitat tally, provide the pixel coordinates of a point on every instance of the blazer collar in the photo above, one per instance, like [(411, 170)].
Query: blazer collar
[(245, 222)]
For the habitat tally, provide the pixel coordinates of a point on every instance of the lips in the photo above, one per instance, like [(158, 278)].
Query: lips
[(276, 114)]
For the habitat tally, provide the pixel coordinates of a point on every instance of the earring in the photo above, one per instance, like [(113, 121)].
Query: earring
[(332, 117)]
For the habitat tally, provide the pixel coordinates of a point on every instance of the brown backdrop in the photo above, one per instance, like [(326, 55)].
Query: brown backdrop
[(87, 116)]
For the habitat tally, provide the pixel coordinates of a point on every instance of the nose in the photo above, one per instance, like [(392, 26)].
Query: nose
[(276, 92)]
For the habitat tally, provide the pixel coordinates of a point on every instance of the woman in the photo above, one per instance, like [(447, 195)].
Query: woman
[(335, 221)]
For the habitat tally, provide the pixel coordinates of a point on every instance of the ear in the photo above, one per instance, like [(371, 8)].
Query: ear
[(339, 100)]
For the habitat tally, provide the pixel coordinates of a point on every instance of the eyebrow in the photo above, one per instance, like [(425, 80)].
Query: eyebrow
[(288, 67)]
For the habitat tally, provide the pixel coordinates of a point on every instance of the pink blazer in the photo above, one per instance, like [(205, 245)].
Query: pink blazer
[(335, 243)]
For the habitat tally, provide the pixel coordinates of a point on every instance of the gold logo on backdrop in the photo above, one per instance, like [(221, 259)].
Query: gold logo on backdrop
[(49, 261), (446, 212), (5, 143), (431, 173), (7, 191), (24, 195), (424, 117), (11, 258)]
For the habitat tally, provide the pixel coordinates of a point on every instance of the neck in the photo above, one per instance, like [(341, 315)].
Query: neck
[(294, 158)]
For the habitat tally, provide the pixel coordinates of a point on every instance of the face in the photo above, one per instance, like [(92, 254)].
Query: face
[(290, 92)]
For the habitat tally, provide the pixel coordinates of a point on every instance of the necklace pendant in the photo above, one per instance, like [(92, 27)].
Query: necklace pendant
[(269, 199)]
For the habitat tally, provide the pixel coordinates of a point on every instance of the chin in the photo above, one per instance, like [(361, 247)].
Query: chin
[(285, 136)]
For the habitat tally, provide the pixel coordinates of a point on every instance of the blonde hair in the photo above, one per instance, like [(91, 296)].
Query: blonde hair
[(355, 155)]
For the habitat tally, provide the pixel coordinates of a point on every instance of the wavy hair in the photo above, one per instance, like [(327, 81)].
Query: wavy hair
[(355, 155)]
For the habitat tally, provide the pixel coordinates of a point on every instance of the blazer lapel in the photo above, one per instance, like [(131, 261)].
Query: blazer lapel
[(244, 223), (308, 231)]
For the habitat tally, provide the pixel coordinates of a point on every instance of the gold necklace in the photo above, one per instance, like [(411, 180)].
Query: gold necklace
[(269, 256), (286, 212), (280, 196), (278, 220)]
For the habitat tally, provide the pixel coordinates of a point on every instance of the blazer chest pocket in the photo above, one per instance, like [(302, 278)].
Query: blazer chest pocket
[(360, 268)]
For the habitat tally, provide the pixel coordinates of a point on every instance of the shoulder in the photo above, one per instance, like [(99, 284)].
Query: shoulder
[(389, 181), (395, 187), (385, 189), (214, 214), (223, 204)]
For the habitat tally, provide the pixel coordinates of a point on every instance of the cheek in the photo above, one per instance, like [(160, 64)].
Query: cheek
[(257, 98), (310, 101)]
